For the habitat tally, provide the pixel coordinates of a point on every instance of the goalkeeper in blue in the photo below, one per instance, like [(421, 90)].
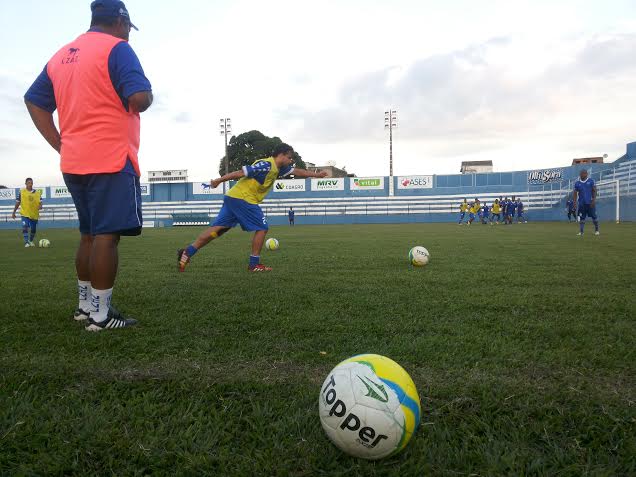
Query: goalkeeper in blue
[(585, 198)]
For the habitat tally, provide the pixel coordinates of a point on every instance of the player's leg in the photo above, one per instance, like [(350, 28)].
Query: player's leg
[(34, 229), (592, 213), (582, 216), (252, 219), (82, 267), (223, 222), (211, 233), (114, 204), (76, 185), (257, 246), (25, 231)]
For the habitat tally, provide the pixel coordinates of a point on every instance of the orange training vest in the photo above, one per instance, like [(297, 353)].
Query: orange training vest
[(98, 134)]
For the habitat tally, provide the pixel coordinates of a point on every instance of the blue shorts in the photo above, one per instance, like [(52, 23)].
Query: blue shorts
[(106, 203), (586, 210), (471, 216), (237, 211), (462, 215), (28, 222), (495, 215)]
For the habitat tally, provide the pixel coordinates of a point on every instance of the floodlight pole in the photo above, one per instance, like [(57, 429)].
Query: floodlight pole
[(225, 128), (390, 122)]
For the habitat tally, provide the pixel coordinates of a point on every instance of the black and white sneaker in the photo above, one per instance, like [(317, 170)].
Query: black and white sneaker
[(114, 320), (81, 315)]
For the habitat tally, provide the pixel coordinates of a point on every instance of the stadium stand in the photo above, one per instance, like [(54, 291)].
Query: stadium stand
[(179, 205)]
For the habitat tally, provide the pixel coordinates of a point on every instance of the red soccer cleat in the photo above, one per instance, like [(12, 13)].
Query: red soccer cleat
[(259, 268), (182, 259)]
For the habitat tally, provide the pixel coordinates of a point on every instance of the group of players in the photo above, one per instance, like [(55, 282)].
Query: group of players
[(502, 210)]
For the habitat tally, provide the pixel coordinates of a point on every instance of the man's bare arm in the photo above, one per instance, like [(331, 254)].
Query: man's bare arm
[(232, 176), (305, 173), (17, 204), (141, 101), (43, 121)]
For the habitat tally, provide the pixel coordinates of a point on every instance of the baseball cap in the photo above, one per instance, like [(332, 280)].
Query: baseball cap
[(110, 9)]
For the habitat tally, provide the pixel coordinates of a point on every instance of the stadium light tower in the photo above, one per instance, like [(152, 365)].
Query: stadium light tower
[(390, 123), (225, 128)]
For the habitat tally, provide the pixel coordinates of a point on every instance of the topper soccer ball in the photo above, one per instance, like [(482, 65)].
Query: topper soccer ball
[(271, 244), (44, 243), (369, 406), (419, 256)]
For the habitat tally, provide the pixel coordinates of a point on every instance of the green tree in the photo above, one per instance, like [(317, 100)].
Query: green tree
[(250, 146)]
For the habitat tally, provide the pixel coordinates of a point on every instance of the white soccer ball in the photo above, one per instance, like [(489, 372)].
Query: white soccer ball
[(44, 243), (271, 244), (369, 407), (419, 256)]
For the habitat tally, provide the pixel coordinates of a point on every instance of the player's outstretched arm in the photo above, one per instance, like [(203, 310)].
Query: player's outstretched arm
[(232, 176), (305, 173)]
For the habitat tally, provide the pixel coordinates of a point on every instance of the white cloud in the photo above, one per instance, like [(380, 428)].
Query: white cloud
[(516, 81)]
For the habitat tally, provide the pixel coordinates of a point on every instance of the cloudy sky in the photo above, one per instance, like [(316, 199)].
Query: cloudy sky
[(528, 83)]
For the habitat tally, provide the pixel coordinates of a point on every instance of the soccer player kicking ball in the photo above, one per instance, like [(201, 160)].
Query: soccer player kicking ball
[(240, 204), (585, 192)]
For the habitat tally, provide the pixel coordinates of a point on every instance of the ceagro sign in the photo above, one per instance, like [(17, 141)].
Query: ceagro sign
[(367, 183), (60, 192), (545, 176), (145, 189), (42, 192), (7, 194), (415, 182), (205, 188), (290, 185), (327, 184)]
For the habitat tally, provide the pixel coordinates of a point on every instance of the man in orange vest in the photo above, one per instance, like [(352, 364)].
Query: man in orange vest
[(98, 87)]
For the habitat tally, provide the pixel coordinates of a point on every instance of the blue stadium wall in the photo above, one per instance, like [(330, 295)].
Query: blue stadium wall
[(468, 185)]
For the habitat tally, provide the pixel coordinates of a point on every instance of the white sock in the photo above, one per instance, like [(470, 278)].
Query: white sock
[(84, 290), (100, 302)]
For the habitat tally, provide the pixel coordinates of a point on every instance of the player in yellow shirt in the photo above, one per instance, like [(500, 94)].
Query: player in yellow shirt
[(463, 207), (496, 212), (474, 209), (240, 204), (30, 202)]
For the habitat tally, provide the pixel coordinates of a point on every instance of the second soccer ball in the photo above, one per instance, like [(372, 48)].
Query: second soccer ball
[(271, 244), (419, 256)]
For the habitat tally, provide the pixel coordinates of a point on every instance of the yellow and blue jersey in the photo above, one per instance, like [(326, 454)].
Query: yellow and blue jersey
[(463, 207), (30, 203), (495, 208), (258, 181)]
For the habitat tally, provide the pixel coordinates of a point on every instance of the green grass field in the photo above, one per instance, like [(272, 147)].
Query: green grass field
[(521, 341)]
